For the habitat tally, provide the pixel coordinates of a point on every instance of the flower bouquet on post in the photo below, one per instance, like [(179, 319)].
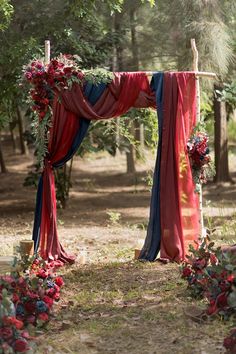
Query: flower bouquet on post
[(199, 156)]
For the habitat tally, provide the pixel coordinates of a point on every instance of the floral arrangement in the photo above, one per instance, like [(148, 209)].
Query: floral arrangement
[(60, 74), (230, 342), (27, 296), (200, 160), (211, 274)]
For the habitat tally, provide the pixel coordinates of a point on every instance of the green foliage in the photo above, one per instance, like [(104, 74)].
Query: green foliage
[(6, 12), (114, 217), (228, 94)]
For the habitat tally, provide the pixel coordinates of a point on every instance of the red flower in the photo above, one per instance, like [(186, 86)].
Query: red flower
[(15, 298), (50, 292), (43, 316), (42, 115), (13, 321), (186, 272), (48, 300), (213, 258), (229, 343), (42, 273), (67, 70), (56, 296), (212, 308), (230, 278), (6, 333), (21, 345), (29, 306), (222, 300), (36, 261), (59, 281)]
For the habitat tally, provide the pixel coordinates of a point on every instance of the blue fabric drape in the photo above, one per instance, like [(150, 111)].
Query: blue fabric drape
[(153, 238), (93, 93)]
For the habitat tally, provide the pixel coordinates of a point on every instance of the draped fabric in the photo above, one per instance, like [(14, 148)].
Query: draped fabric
[(92, 92), (69, 125), (173, 214), (174, 222), (153, 239), (179, 203)]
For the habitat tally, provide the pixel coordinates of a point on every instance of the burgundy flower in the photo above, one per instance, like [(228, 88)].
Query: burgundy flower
[(222, 300), (186, 272), (30, 306), (6, 333), (229, 343), (21, 345)]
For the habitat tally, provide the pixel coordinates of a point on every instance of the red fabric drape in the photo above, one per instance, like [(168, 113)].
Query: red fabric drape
[(179, 202), (125, 91)]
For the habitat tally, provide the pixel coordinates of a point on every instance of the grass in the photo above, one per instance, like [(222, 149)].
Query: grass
[(127, 308)]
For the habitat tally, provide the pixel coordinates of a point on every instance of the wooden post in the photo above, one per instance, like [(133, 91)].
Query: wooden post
[(47, 52), (195, 68)]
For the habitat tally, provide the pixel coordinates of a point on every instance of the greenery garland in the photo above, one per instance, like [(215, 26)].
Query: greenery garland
[(60, 74)]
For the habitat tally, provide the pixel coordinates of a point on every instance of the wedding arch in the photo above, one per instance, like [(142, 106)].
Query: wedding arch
[(174, 210)]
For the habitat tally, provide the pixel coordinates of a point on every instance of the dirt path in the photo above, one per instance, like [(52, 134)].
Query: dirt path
[(112, 304)]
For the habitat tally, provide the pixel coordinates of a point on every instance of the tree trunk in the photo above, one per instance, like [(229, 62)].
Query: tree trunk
[(23, 145), (2, 162), (138, 127), (221, 140), (13, 138)]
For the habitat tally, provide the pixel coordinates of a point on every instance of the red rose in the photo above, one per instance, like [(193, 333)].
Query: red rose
[(13, 321), (213, 259), (186, 272), (6, 333), (56, 296), (50, 292), (48, 300), (67, 70), (43, 316), (36, 261), (29, 306), (212, 308), (229, 343), (230, 278), (21, 345), (222, 300), (42, 273), (59, 281), (15, 298), (42, 115)]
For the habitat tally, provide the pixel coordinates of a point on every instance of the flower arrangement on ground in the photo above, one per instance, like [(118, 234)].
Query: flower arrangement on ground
[(211, 273), (27, 296)]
